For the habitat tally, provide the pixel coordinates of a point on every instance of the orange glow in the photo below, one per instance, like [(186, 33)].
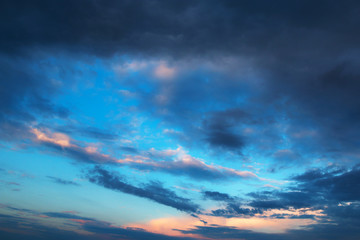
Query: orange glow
[(91, 149), (56, 138), (166, 225), (257, 223), (81, 221)]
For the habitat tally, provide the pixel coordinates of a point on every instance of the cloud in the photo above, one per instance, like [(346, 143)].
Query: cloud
[(25, 97), (59, 139), (91, 132), (333, 184), (220, 128), (317, 189), (153, 191), (67, 216), (290, 72), (162, 71), (233, 210), (284, 156), (131, 233), (15, 227), (168, 32), (217, 196), (314, 232), (63, 144), (275, 81), (331, 190), (177, 162), (187, 165), (224, 232), (233, 206), (62, 181)]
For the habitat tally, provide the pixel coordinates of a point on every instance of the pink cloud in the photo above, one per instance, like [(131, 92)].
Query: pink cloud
[(164, 72), (176, 161)]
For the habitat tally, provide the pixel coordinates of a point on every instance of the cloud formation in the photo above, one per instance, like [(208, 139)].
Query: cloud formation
[(181, 163), (21, 227), (271, 86), (62, 181), (153, 191)]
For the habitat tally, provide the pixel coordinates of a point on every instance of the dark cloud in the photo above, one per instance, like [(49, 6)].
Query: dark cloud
[(24, 228), (312, 232), (304, 58), (173, 27), (345, 228), (332, 190), (62, 181), (25, 96), (290, 216), (21, 209), (224, 138), (67, 216), (153, 191), (278, 200), (129, 149), (233, 206), (223, 232), (129, 233), (326, 102), (235, 210), (91, 132), (221, 129), (332, 184), (217, 196), (315, 189)]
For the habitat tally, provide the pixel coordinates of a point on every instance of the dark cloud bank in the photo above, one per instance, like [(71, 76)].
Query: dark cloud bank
[(305, 52)]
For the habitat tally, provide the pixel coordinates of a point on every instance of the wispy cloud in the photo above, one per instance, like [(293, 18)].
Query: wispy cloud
[(180, 162), (62, 181)]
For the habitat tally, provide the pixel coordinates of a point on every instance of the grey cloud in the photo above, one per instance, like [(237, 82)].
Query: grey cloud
[(153, 191), (23, 228), (62, 181), (217, 196)]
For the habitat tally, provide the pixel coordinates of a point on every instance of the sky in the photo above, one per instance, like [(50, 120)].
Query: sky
[(180, 120)]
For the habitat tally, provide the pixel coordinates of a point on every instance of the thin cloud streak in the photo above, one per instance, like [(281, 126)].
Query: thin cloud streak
[(183, 164)]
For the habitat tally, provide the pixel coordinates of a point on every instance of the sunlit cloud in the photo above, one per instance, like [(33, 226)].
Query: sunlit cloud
[(69, 148), (164, 72), (177, 161), (59, 139)]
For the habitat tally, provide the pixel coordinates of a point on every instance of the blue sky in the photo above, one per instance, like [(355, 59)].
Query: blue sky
[(179, 120)]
